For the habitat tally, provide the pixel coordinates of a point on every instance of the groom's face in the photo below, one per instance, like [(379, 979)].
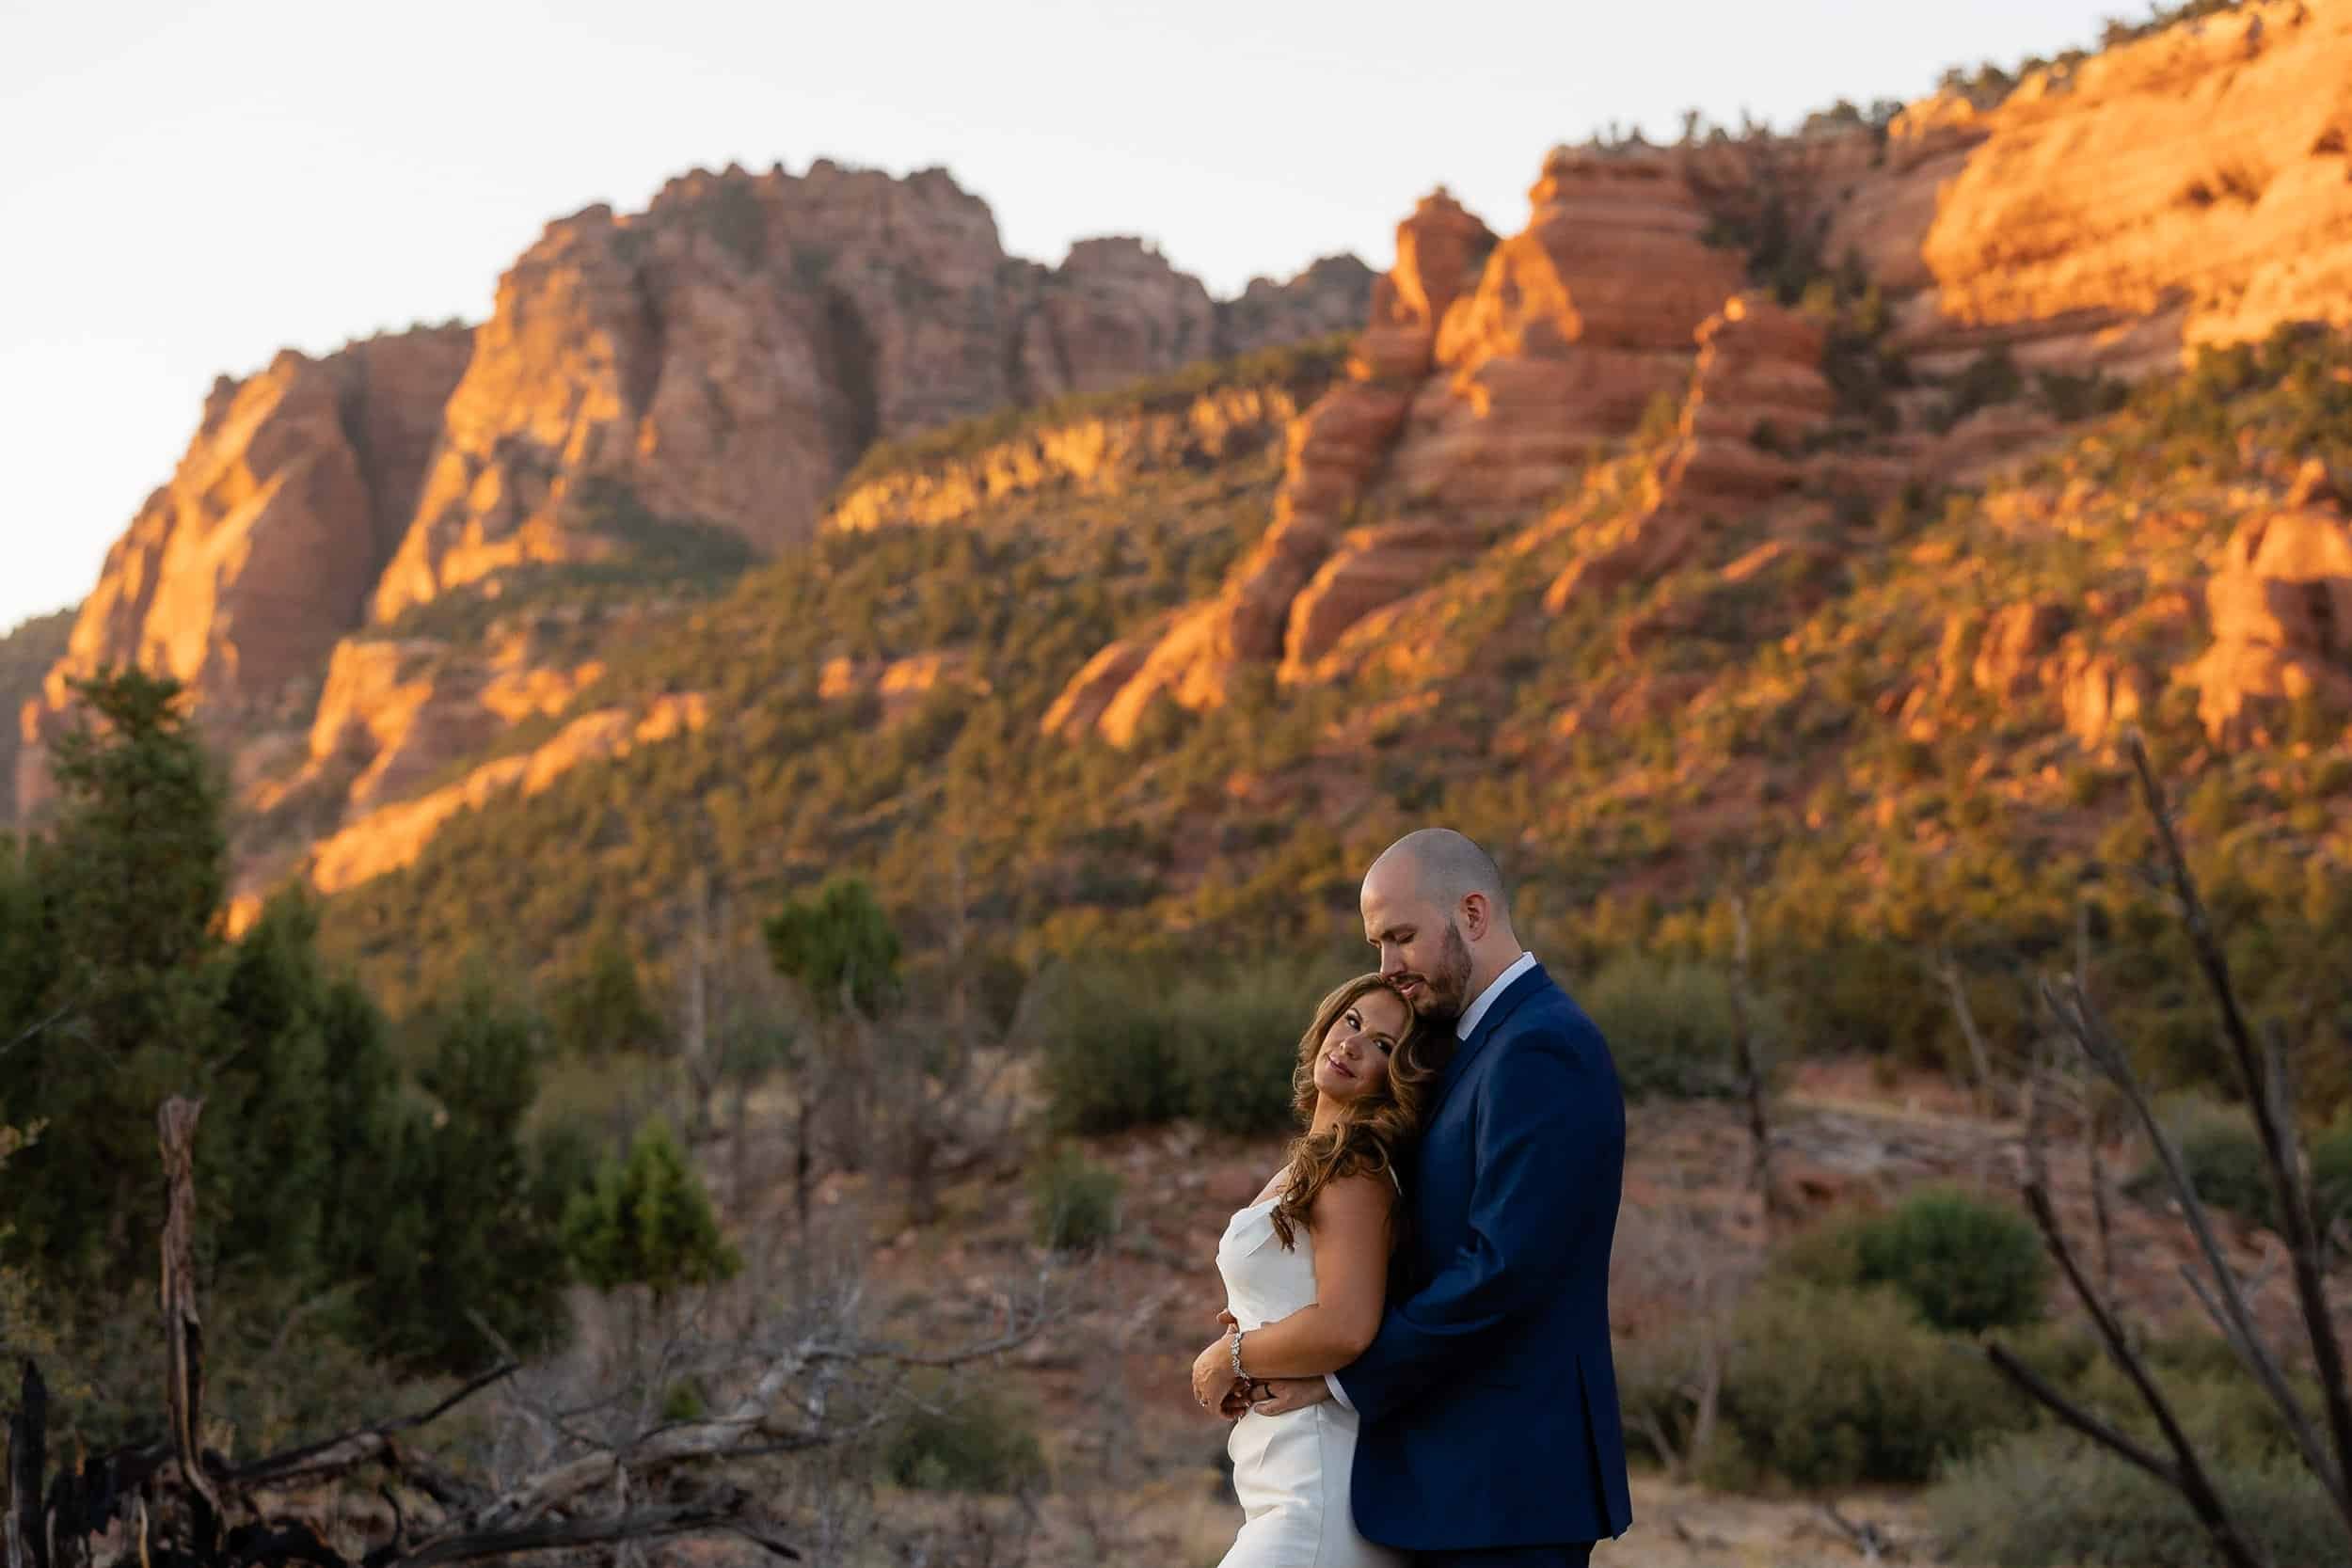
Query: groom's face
[(1422, 951)]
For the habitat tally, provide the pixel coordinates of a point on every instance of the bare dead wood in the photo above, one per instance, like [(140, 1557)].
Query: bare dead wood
[(1873, 1543), (1752, 1072), (2186, 1473), (2093, 1119), (183, 1326), (2079, 1418), (28, 1460), (2271, 1094), (639, 1525), (1979, 1059), (348, 1452), (2228, 1298)]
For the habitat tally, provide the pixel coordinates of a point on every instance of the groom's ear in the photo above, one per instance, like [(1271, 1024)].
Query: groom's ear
[(1477, 916)]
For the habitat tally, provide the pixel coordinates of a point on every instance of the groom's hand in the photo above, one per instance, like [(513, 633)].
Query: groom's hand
[(1283, 1395)]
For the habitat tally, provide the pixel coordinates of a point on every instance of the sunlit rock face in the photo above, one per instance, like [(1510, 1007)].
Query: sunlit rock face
[(2192, 187), (726, 354), (240, 572)]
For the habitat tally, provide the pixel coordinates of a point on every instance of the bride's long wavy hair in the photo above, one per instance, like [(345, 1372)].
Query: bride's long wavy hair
[(1370, 1134)]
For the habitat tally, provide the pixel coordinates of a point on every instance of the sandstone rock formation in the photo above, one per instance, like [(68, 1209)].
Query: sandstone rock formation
[(27, 655), (723, 358), (727, 354), (1756, 394), (2194, 186), (2281, 606), (1487, 377), (239, 574), (1096, 452), (393, 836)]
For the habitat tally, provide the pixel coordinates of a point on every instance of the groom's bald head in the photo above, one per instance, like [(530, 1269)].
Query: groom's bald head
[(1442, 867), (1434, 905)]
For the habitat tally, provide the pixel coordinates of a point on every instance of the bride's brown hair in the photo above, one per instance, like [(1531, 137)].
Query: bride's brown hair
[(1369, 1134)]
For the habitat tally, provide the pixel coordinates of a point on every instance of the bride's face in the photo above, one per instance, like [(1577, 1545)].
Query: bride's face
[(1353, 1061)]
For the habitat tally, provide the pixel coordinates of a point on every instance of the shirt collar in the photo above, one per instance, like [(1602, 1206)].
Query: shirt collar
[(1476, 1010)]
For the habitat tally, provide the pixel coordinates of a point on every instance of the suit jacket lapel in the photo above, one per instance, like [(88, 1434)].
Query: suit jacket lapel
[(1516, 992)]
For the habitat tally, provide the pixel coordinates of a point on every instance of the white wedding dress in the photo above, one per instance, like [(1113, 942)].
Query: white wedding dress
[(1290, 1471)]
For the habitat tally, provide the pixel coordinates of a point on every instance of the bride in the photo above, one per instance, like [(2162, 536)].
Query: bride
[(1306, 1269)]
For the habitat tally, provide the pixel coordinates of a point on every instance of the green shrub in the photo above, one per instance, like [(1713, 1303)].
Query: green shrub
[(2224, 1158), (2331, 1174), (953, 1439), (2049, 1499), (2225, 1412), (1121, 1048), (1826, 1256), (1236, 1042), (1967, 1265), (1827, 1389), (1107, 1051), (1673, 1028), (1074, 1205), (648, 1221)]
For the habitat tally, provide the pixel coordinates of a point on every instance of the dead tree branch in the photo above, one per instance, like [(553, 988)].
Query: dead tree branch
[(183, 1328), (2186, 1473), (2270, 1092)]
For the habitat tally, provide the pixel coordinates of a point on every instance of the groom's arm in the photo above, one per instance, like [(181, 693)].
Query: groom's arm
[(1552, 1132)]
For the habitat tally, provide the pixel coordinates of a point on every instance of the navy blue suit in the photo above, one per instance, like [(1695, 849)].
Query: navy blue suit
[(1489, 1397)]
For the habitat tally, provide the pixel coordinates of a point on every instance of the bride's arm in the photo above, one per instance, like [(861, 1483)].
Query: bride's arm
[(1351, 1231)]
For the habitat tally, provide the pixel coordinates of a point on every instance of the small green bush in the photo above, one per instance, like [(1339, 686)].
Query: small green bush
[(1967, 1265), (1673, 1028), (1122, 1048), (2050, 1498), (2224, 1411), (1827, 1389), (2224, 1157), (1108, 1052), (953, 1439), (1074, 1204), (648, 1221), (1236, 1048)]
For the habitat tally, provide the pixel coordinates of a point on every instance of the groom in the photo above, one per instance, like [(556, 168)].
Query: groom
[(1488, 1400)]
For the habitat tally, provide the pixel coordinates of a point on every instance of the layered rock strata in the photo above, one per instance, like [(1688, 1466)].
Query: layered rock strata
[(728, 354), (1490, 373), (2279, 603), (239, 573), (2194, 186)]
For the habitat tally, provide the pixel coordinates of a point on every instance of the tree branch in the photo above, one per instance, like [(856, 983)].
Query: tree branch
[(2188, 1471), (2228, 1299), (2270, 1092)]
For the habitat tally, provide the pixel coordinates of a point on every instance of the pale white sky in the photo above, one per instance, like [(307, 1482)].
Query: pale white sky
[(188, 187)]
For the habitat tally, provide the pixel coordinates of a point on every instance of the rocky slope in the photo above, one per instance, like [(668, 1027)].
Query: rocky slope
[(729, 353), (27, 654), (2194, 186), (688, 384), (1574, 481), (239, 574)]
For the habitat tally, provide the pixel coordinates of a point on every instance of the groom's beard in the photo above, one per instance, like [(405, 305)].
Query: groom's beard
[(1446, 992)]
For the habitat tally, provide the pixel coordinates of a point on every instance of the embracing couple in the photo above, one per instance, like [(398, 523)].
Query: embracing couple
[(1417, 1360)]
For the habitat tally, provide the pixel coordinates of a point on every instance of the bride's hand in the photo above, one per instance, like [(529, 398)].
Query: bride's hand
[(1212, 1378)]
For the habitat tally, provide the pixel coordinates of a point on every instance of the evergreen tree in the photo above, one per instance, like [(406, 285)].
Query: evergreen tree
[(648, 1222), (463, 1228), (269, 1166), (125, 894), (839, 945), (602, 1010)]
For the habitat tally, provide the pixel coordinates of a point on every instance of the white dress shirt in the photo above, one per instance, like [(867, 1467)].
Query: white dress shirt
[(1462, 1027)]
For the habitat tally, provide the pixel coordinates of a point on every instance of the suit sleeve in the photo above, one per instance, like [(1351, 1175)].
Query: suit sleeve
[(1551, 1139)]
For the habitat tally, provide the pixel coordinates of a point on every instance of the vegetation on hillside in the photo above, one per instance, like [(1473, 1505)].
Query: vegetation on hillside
[(1780, 777), (368, 1198)]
